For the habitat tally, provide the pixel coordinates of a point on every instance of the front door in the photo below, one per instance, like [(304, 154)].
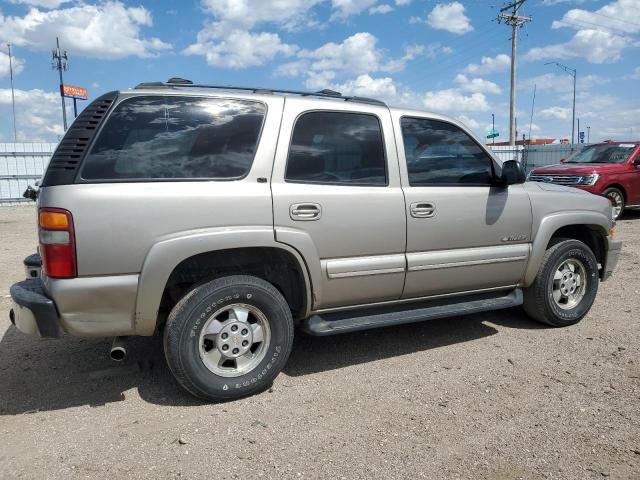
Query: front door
[(337, 199), (463, 234)]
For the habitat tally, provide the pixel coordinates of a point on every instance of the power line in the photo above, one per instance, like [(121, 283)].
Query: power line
[(595, 26), (616, 19), (515, 21)]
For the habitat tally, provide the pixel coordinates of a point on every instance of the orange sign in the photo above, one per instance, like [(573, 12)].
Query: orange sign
[(75, 92)]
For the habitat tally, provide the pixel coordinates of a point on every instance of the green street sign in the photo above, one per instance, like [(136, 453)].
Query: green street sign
[(492, 134)]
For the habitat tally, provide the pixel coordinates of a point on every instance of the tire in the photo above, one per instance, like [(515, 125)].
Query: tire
[(616, 197), (194, 338), (539, 300)]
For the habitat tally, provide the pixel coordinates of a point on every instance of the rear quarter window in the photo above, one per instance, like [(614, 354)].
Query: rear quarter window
[(156, 137)]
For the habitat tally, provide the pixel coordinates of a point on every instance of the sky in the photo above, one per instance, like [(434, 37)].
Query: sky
[(440, 56)]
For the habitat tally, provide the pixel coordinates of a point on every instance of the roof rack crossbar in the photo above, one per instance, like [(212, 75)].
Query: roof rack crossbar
[(322, 94)]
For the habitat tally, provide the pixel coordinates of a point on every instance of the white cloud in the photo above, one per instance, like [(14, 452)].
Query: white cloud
[(245, 14), (636, 73), (469, 122), (557, 2), (356, 55), (452, 100), (384, 8), (477, 85), (366, 86), (597, 46), (601, 35), (558, 113), (562, 83), (449, 17), (239, 48), (346, 8), (320, 80), (18, 65), (108, 30), (42, 3), (610, 17), (402, 3), (489, 65), (38, 115)]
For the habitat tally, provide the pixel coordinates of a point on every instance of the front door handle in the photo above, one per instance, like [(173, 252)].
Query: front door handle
[(422, 210), (305, 211)]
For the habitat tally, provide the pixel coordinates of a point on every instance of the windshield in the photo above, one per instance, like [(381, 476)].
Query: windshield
[(603, 154)]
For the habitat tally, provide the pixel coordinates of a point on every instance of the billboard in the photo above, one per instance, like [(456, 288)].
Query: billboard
[(72, 91)]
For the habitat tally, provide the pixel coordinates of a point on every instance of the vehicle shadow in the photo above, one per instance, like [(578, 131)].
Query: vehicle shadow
[(630, 215), (49, 374)]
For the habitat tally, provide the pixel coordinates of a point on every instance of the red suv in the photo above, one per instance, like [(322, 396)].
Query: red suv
[(611, 169)]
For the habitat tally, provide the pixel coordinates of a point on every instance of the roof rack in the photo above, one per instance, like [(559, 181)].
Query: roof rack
[(176, 82)]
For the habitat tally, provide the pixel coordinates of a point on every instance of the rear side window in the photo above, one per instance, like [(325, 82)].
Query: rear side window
[(440, 153), (176, 138), (337, 148)]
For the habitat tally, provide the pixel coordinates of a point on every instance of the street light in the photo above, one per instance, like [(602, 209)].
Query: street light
[(573, 73)]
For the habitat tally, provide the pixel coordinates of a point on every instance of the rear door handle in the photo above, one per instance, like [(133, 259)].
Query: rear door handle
[(305, 211), (422, 209)]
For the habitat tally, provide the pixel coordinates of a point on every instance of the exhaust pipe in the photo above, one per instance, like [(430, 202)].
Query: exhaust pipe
[(118, 349)]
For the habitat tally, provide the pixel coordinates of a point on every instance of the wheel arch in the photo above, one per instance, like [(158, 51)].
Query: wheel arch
[(588, 227), (175, 264), (620, 187)]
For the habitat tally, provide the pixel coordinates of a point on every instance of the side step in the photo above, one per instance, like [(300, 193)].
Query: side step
[(364, 319)]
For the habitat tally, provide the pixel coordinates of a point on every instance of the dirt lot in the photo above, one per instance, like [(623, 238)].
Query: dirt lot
[(486, 396)]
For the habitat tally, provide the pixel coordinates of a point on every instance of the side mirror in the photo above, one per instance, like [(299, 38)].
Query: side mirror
[(636, 163), (512, 173)]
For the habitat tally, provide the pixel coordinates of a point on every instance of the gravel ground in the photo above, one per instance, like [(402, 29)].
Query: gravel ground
[(491, 396)]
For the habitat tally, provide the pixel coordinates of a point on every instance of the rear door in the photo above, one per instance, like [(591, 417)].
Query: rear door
[(337, 199), (463, 234)]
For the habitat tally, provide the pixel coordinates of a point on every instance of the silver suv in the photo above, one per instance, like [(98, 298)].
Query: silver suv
[(223, 217)]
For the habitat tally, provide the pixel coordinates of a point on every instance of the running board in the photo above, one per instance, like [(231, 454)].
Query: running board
[(364, 319)]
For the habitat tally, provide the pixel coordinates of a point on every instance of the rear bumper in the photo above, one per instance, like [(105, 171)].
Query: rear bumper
[(613, 254), (33, 312)]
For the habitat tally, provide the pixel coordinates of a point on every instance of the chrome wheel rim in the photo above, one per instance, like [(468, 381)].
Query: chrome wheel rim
[(616, 200), (234, 340), (569, 284)]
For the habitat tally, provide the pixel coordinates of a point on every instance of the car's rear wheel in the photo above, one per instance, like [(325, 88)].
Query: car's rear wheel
[(566, 285), (616, 197), (229, 338)]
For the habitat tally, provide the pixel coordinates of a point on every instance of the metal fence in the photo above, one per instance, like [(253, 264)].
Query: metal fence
[(534, 156), (21, 164)]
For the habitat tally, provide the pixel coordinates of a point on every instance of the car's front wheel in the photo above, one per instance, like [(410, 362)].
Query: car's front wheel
[(616, 198), (229, 338), (566, 285)]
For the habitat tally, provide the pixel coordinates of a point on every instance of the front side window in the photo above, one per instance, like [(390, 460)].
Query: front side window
[(156, 137), (337, 148), (440, 153)]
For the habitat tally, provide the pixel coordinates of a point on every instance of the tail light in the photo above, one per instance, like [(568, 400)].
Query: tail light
[(57, 243)]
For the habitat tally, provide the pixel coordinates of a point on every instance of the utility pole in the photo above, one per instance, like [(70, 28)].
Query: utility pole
[(13, 96), (493, 128), (578, 129), (59, 62), (588, 134), (515, 21), (574, 73)]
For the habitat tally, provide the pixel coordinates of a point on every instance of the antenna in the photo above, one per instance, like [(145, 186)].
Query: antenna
[(59, 62), (13, 97)]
